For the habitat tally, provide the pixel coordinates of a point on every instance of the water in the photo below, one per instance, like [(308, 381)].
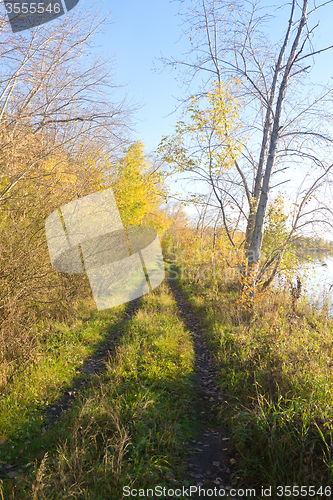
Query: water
[(317, 279)]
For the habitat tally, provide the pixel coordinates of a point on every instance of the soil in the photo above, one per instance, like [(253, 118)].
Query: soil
[(210, 466)]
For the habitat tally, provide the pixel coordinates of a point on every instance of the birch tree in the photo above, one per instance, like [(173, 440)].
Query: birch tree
[(286, 115)]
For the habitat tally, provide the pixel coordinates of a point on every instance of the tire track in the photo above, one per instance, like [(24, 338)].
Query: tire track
[(93, 365), (210, 466)]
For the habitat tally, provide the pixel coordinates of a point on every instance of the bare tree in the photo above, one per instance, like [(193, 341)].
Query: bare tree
[(54, 86), (286, 116)]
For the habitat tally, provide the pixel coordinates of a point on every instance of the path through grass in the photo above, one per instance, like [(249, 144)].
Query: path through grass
[(129, 426)]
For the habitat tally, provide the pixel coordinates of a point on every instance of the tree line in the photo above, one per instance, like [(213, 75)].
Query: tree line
[(63, 135)]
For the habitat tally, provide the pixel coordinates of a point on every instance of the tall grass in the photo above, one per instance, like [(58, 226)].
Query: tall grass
[(275, 368), (130, 425)]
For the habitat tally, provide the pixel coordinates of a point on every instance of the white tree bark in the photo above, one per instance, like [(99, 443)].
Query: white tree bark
[(285, 127)]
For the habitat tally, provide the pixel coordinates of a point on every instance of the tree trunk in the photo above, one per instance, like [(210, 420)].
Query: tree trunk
[(257, 234)]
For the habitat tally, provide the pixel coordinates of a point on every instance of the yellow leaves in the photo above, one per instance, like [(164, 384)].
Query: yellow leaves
[(276, 234), (211, 136), (137, 189)]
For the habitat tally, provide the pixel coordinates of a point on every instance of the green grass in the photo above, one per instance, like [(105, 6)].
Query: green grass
[(130, 425), (276, 373), (61, 352)]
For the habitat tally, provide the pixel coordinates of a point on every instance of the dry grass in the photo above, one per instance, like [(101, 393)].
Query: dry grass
[(276, 365), (130, 425)]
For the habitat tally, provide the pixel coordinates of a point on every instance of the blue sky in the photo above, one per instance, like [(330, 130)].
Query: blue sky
[(140, 32)]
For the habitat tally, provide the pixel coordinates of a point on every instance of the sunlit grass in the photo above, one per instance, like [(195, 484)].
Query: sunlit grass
[(276, 370), (131, 424), (61, 352)]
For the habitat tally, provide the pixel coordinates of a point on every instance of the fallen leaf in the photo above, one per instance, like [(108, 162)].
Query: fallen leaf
[(3, 439), (233, 461), (216, 464)]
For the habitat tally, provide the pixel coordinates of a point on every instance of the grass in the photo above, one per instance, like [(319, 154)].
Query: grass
[(276, 372), (130, 425), (60, 353)]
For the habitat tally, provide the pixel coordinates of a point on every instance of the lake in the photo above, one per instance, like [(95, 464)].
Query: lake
[(318, 278)]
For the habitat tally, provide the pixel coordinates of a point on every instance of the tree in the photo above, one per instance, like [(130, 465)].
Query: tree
[(205, 143), (286, 117), (275, 235), (54, 94), (57, 123), (138, 189)]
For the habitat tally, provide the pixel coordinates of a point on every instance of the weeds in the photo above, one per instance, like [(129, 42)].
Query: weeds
[(130, 425), (276, 372)]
